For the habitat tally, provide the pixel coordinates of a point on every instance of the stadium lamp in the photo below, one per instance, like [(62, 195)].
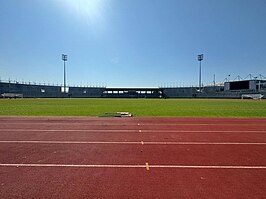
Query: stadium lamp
[(200, 58), (64, 58)]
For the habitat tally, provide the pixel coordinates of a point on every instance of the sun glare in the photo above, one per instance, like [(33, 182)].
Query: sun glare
[(92, 11)]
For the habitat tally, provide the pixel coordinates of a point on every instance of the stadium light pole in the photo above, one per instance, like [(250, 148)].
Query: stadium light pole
[(200, 58), (64, 58)]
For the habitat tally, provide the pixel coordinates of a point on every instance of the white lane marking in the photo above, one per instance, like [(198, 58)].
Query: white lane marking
[(207, 143), (143, 124), (66, 142), (74, 165), (207, 167), (133, 142), (203, 124), (69, 130), (130, 130), (135, 166), (201, 131)]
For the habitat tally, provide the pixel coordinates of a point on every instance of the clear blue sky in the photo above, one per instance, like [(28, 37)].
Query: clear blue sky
[(131, 43)]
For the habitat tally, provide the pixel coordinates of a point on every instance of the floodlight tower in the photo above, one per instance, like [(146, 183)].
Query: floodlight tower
[(64, 58), (200, 58)]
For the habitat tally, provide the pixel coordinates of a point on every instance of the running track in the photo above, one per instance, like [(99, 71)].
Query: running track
[(89, 157)]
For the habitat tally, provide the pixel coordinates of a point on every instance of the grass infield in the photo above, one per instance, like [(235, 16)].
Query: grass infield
[(138, 107)]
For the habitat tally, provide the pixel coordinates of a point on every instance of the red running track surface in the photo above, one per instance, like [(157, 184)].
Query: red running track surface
[(90, 157)]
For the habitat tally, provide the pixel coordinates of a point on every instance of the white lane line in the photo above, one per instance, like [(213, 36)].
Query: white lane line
[(129, 130), (207, 167), (66, 142), (132, 142), (201, 131), (203, 124), (135, 166), (206, 143), (68, 130), (74, 165), (143, 124)]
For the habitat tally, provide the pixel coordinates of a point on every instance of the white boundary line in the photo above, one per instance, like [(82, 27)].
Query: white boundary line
[(207, 167), (134, 142), (135, 166), (133, 124), (70, 130), (130, 130), (66, 142), (137, 124)]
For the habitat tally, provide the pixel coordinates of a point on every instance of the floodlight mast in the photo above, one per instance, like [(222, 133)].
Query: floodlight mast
[(200, 58), (64, 58)]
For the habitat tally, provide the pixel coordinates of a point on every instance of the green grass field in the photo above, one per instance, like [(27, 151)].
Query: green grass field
[(138, 107)]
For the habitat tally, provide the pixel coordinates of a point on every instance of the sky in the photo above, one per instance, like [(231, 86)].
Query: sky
[(131, 43)]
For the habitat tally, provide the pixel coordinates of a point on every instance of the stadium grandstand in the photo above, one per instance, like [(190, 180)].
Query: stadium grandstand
[(238, 88)]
